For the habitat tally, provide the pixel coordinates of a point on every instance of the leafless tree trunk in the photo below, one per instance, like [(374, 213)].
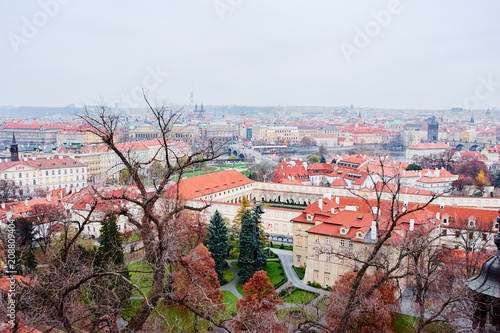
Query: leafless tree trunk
[(160, 206)]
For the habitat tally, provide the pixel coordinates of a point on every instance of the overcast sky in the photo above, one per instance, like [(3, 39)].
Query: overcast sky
[(412, 54)]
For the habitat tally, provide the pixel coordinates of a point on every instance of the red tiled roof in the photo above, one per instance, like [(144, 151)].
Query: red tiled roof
[(43, 163), (435, 145), (195, 187)]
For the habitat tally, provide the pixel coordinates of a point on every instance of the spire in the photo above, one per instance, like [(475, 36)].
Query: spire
[(14, 149), (196, 107), (202, 106)]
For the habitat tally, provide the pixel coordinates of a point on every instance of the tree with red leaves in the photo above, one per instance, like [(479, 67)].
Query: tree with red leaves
[(258, 308), (196, 283), (373, 313)]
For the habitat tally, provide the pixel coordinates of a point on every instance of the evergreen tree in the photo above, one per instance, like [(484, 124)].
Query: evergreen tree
[(217, 243), (110, 253), (246, 260), (30, 259), (260, 255), (322, 159), (496, 181), (236, 225), (110, 249), (252, 256)]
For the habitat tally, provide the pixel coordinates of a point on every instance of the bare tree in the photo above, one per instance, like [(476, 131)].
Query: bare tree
[(8, 189), (385, 254), (160, 207)]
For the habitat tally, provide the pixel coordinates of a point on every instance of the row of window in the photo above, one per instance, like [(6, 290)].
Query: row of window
[(20, 174)]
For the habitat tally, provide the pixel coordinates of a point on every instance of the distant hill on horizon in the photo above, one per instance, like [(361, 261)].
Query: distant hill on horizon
[(37, 111)]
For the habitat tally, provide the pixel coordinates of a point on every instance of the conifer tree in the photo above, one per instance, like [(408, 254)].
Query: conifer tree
[(252, 256), (217, 243), (260, 256), (30, 259), (246, 260), (236, 225), (110, 250)]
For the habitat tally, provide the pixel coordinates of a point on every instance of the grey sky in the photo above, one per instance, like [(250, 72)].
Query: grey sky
[(260, 52)]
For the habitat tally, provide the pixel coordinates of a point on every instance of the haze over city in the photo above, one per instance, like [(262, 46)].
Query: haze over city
[(423, 55)]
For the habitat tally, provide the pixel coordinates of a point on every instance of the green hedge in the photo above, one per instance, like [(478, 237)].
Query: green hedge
[(300, 271)]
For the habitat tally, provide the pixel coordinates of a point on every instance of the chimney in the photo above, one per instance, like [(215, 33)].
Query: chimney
[(320, 204), (438, 216), (49, 197), (34, 159), (3, 205), (337, 200), (374, 231), (26, 202), (9, 215), (412, 224)]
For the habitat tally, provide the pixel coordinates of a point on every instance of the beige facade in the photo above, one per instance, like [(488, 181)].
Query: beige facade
[(275, 135)]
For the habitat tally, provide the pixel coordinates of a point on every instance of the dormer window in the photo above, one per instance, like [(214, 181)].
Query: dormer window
[(343, 231), (445, 220), (309, 217), (359, 235)]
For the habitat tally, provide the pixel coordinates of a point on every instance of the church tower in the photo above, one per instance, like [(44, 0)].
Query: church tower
[(14, 149), (433, 130)]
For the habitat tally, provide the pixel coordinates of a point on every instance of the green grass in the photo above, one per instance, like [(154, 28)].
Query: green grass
[(402, 323), (323, 303), (301, 271), (230, 301), (273, 271), (228, 275), (239, 287), (234, 254), (132, 308), (295, 315), (299, 296), (143, 280), (285, 247)]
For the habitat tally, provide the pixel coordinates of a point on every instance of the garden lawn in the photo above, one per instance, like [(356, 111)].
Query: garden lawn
[(132, 308), (228, 275), (295, 315), (273, 271), (230, 302), (285, 247), (402, 323), (300, 271), (299, 296), (143, 280)]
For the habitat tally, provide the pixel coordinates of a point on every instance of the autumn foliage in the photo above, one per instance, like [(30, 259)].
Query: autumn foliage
[(196, 283), (258, 308), (373, 313)]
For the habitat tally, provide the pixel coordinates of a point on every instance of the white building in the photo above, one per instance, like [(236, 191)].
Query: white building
[(48, 174), (416, 152)]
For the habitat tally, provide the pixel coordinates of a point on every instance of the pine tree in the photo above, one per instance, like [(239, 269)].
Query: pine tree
[(260, 255), (110, 253), (110, 249), (322, 159), (246, 260), (252, 256), (30, 259), (217, 243), (236, 225)]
